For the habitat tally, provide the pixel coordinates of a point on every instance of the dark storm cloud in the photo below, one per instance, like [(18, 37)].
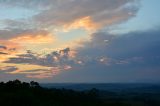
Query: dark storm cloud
[(142, 43), (134, 56)]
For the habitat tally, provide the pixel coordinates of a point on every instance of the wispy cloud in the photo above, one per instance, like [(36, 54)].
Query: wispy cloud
[(87, 13)]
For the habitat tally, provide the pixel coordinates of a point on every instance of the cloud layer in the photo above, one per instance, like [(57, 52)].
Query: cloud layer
[(124, 56), (88, 14), (129, 57), (133, 57), (105, 12)]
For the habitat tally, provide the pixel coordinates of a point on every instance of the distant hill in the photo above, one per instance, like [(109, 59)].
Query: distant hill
[(116, 87)]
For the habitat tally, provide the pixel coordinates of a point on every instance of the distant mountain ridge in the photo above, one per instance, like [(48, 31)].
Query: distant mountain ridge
[(104, 86)]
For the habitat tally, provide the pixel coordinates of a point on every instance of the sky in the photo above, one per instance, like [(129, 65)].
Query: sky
[(80, 41)]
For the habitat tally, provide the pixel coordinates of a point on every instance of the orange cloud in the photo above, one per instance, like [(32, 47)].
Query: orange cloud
[(11, 49), (90, 23), (85, 22), (39, 76), (33, 39), (3, 58), (45, 74), (9, 44)]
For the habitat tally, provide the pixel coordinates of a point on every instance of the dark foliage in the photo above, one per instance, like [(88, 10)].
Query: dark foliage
[(17, 93)]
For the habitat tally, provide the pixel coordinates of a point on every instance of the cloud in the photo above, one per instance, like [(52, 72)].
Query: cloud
[(8, 48), (54, 15), (72, 14), (7, 34), (15, 39), (50, 73), (36, 4), (34, 39), (57, 61), (131, 57), (2, 53), (86, 13), (55, 58), (129, 54), (65, 15), (3, 47), (8, 69), (37, 73), (127, 57)]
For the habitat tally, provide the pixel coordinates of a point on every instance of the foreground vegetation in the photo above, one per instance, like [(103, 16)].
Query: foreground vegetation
[(17, 93)]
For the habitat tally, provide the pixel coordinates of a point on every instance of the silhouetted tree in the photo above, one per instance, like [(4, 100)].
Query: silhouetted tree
[(17, 82), (34, 84), (17, 93), (25, 85)]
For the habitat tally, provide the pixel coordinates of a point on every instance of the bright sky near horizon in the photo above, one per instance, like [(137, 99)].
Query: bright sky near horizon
[(80, 40)]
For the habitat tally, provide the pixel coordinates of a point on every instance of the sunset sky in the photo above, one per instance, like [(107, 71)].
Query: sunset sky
[(80, 40)]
